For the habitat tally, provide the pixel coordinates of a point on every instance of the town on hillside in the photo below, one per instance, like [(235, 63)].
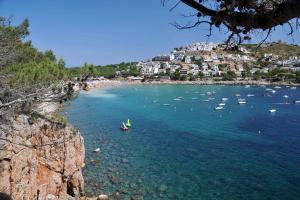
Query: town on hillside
[(210, 60)]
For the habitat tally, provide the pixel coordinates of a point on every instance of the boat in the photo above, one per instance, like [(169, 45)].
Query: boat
[(224, 99), (205, 100), (218, 108), (293, 88), (237, 95), (222, 104), (194, 98), (97, 150), (166, 104), (209, 93), (211, 98), (202, 94), (286, 96), (177, 99), (297, 102), (180, 97), (272, 110), (273, 91), (250, 95), (247, 86), (242, 101), (124, 127), (277, 87), (268, 89), (128, 123)]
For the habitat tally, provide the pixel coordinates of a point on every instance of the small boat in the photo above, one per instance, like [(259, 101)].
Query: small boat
[(205, 100), (237, 95), (222, 104), (209, 93), (250, 95), (166, 104), (224, 99), (124, 127), (293, 88), (268, 89), (177, 99), (272, 110), (218, 108), (247, 86), (242, 102), (97, 150), (297, 102), (286, 96), (180, 97), (202, 94), (128, 123), (273, 91), (277, 87), (211, 98), (194, 98)]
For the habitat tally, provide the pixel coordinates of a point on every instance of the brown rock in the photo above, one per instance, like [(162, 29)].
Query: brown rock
[(47, 172)]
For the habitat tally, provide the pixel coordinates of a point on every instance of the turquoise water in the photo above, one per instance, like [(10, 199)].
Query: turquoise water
[(187, 150)]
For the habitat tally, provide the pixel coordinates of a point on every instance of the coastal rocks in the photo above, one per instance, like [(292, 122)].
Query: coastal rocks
[(162, 188), (41, 160), (113, 179), (103, 197)]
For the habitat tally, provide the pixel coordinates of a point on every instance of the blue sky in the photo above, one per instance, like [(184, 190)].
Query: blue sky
[(109, 31)]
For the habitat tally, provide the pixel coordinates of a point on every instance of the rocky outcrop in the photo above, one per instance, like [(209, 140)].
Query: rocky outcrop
[(40, 159)]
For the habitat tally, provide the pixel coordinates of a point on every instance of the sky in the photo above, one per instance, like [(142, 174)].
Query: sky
[(110, 31)]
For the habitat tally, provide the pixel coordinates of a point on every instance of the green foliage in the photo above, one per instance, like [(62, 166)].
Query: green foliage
[(176, 75), (229, 76)]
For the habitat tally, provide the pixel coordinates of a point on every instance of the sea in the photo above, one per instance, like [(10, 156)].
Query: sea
[(181, 147)]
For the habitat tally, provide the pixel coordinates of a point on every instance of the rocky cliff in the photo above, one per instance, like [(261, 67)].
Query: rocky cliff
[(40, 159)]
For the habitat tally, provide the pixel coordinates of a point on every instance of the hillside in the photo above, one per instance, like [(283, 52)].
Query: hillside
[(281, 49)]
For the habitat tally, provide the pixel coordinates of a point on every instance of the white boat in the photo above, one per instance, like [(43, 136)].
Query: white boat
[(237, 95), (272, 110), (209, 93), (277, 87), (242, 102), (205, 100), (268, 89), (180, 97), (250, 95), (297, 102), (273, 91), (177, 99), (247, 86), (202, 94), (97, 150), (194, 98), (166, 104), (218, 108), (222, 104), (224, 99), (286, 96), (211, 98)]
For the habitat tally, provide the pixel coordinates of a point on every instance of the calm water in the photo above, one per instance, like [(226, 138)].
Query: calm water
[(187, 150)]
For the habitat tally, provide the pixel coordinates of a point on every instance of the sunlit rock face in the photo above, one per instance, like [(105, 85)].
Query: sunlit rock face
[(41, 160)]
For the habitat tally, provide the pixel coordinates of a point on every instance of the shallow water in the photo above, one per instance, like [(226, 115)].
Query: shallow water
[(187, 150)]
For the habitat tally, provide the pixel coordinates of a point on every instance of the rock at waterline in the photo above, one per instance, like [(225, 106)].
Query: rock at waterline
[(162, 188), (103, 197)]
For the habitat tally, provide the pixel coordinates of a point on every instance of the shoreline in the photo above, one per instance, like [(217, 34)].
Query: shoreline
[(101, 84)]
